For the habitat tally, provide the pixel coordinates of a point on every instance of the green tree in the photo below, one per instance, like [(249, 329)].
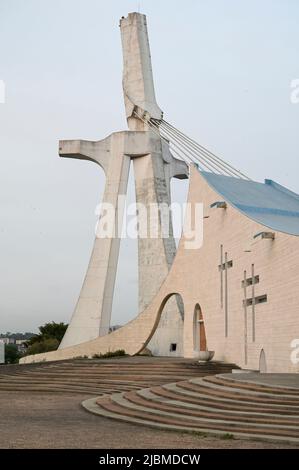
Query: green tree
[(49, 344), (12, 354), (48, 338), (49, 331)]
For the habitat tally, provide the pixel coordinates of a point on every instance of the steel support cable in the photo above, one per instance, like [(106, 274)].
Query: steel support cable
[(203, 149), (180, 148), (181, 140), (209, 162), (208, 154), (221, 168), (195, 157), (177, 149), (181, 154), (188, 160)]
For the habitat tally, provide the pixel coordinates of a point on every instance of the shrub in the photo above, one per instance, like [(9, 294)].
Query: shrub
[(12, 354), (227, 436), (107, 355), (45, 345), (49, 331)]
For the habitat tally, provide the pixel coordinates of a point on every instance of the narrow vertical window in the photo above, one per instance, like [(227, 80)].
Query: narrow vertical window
[(245, 317), (221, 276), (253, 302), (226, 295)]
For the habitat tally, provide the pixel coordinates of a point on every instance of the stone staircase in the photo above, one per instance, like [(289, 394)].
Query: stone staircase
[(99, 377), (219, 404)]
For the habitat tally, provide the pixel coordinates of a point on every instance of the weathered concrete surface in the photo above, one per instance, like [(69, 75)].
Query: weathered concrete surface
[(156, 255), (154, 166), (278, 380), (91, 317), (92, 314), (152, 173), (138, 83)]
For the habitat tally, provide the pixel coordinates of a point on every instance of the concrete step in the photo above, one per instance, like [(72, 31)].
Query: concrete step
[(178, 391), (202, 385), (98, 376), (210, 412), (210, 406), (92, 406), (121, 400), (176, 421), (252, 386), (207, 405)]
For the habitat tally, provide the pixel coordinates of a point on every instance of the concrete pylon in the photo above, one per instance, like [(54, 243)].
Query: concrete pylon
[(138, 82), (154, 166), (152, 174)]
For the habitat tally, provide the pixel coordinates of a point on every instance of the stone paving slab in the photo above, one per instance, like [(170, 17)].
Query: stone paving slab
[(58, 421), (279, 380)]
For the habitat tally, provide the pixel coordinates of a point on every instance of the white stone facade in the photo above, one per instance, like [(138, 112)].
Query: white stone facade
[(195, 276)]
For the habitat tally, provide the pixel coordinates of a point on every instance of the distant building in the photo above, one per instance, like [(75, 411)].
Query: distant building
[(21, 344), (8, 340)]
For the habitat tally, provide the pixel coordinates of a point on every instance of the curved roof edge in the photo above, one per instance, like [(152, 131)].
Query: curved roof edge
[(268, 203)]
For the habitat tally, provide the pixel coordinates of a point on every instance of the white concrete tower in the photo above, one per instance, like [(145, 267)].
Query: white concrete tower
[(154, 166), (153, 173)]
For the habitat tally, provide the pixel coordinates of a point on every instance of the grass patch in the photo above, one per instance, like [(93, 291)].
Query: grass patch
[(227, 436), (197, 433), (109, 354)]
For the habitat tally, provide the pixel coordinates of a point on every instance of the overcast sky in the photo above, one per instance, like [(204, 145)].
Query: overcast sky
[(222, 72)]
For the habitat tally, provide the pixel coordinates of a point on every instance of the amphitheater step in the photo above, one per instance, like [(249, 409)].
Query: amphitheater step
[(99, 377), (238, 384), (216, 405)]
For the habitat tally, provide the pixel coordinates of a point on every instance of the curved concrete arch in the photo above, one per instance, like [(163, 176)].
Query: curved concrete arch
[(164, 302), (132, 337)]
